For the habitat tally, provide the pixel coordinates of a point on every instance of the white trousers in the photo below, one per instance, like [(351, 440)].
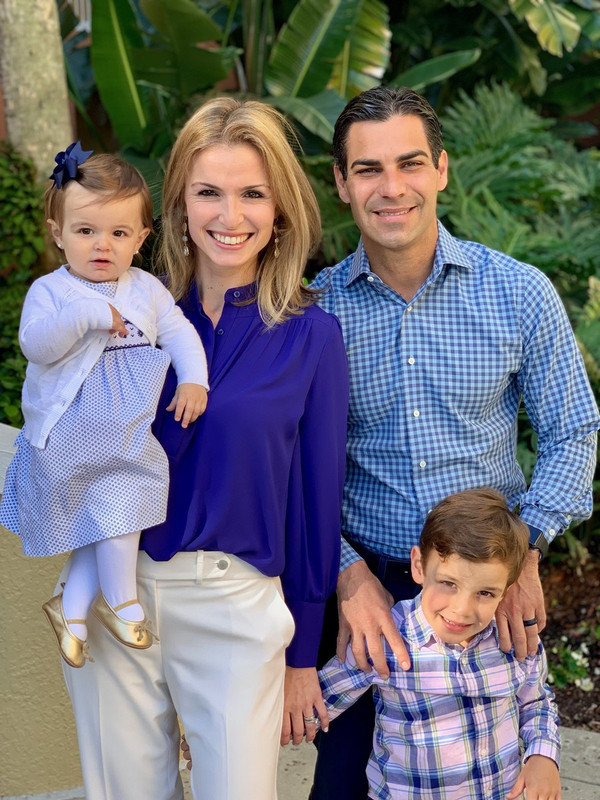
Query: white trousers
[(219, 666)]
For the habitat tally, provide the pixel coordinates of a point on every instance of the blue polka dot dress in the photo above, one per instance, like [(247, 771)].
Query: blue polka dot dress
[(102, 472)]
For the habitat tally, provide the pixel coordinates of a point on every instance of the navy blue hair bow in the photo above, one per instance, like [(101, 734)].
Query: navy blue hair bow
[(68, 162)]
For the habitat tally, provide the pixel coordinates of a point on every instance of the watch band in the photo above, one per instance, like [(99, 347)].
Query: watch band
[(537, 541)]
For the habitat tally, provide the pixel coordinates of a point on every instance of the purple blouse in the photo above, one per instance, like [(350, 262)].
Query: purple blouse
[(260, 473)]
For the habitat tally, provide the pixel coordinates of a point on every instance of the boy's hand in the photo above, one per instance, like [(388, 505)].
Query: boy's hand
[(364, 612), (540, 778), (189, 401), (302, 699), (117, 324)]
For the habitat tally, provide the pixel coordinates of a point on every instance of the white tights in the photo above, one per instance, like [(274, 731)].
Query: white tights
[(109, 565)]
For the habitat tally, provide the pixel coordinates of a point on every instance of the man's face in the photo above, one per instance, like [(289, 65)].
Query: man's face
[(392, 186)]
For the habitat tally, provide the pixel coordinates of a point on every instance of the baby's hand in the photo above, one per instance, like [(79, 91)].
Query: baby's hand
[(540, 778), (117, 325), (189, 401)]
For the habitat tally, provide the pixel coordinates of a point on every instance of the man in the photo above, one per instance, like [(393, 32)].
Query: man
[(443, 339)]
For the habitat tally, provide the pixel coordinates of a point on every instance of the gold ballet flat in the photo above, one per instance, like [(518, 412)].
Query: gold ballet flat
[(73, 649), (133, 634)]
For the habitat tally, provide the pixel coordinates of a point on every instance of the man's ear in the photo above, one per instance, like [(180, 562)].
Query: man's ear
[(340, 182), (442, 169), (56, 231), (416, 565)]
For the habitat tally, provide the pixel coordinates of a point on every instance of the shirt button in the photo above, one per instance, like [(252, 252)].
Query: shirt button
[(551, 532), (411, 361), (416, 413), (409, 308), (422, 464), (236, 294), (220, 332), (370, 278), (222, 563)]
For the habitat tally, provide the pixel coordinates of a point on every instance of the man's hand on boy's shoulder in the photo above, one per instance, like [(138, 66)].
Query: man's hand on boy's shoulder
[(364, 608), (540, 778), (523, 601)]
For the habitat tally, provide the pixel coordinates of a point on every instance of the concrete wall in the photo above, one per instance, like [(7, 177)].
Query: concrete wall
[(38, 746)]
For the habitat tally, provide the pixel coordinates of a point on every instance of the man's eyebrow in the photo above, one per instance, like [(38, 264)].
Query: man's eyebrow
[(374, 162)]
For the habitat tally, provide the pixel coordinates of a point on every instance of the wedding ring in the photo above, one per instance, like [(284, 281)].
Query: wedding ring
[(310, 720), (529, 622)]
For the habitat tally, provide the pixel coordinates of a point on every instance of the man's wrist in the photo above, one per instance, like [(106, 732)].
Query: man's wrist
[(537, 541)]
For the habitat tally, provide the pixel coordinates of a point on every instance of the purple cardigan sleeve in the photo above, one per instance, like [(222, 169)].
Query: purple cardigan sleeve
[(314, 501)]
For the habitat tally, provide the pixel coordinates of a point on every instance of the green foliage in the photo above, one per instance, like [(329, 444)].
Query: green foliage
[(517, 187), (570, 666), (13, 363), (21, 219)]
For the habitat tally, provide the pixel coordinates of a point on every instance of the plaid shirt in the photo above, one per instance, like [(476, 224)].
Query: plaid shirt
[(448, 729), (435, 385)]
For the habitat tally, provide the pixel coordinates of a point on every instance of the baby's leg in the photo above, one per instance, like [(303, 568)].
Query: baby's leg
[(81, 587), (116, 559)]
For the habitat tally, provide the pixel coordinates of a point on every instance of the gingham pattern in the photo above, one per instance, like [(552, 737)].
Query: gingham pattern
[(448, 728), (435, 385)]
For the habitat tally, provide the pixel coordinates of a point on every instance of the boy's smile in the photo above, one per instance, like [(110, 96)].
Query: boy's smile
[(459, 597)]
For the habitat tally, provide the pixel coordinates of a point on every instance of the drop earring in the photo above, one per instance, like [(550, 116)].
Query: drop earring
[(184, 239), (276, 242)]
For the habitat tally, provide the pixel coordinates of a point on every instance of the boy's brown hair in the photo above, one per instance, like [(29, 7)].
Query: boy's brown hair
[(108, 176), (476, 525)]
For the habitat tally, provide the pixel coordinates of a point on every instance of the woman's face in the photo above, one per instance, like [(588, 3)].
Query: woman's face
[(230, 209)]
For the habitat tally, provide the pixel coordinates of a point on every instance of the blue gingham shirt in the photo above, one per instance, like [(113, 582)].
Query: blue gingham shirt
[(448, 728), (435, 385)]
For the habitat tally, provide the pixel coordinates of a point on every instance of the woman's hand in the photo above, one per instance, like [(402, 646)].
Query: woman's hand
[(302, 700), (189, 401)]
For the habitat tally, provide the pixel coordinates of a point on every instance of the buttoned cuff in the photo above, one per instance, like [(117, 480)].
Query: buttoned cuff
[(304, 647), (544, 747)]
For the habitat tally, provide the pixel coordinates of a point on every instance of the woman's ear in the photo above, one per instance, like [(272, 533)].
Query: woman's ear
[(416, 565)]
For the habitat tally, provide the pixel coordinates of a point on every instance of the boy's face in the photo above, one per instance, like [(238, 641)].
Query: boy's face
[(459, 597)]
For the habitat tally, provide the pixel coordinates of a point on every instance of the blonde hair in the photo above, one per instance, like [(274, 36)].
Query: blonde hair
[(106, 175), (227, 121)]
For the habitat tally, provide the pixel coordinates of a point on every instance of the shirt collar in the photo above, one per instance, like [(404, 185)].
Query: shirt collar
[(448, 252), (420, 633)]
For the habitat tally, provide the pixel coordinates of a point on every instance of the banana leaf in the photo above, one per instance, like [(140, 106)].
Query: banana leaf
[(302, 57), (436, 69), (554, 25), (191, 39), (114, 34), (317, 114), (366, 52)]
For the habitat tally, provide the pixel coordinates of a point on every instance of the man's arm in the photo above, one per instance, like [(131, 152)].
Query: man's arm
[(364, 613)]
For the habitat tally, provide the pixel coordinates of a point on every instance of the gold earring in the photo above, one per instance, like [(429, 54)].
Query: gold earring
[(276, 242), (184, 239)]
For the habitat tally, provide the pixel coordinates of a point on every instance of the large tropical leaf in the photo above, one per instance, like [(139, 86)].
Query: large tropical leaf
[(436, 69), (317, 114), (302, 57), (114, 35), (366, 51), (555, 26), (191, 37), (259, 28)]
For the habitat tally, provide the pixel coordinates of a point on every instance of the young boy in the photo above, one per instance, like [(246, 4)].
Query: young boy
[(449, 727)]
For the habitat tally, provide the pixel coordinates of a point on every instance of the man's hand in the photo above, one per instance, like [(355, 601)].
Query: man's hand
[(189, 401), (523, 600), (540, 778), (364, 612), (301, 699)]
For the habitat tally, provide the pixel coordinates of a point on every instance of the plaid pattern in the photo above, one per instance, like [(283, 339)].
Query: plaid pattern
[(435, 385), (448, 729)]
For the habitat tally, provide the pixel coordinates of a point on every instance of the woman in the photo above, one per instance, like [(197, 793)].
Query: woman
[(255, 487)]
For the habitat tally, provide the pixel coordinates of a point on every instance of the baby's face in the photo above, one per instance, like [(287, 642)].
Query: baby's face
[(459, 597), (99, 238)]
